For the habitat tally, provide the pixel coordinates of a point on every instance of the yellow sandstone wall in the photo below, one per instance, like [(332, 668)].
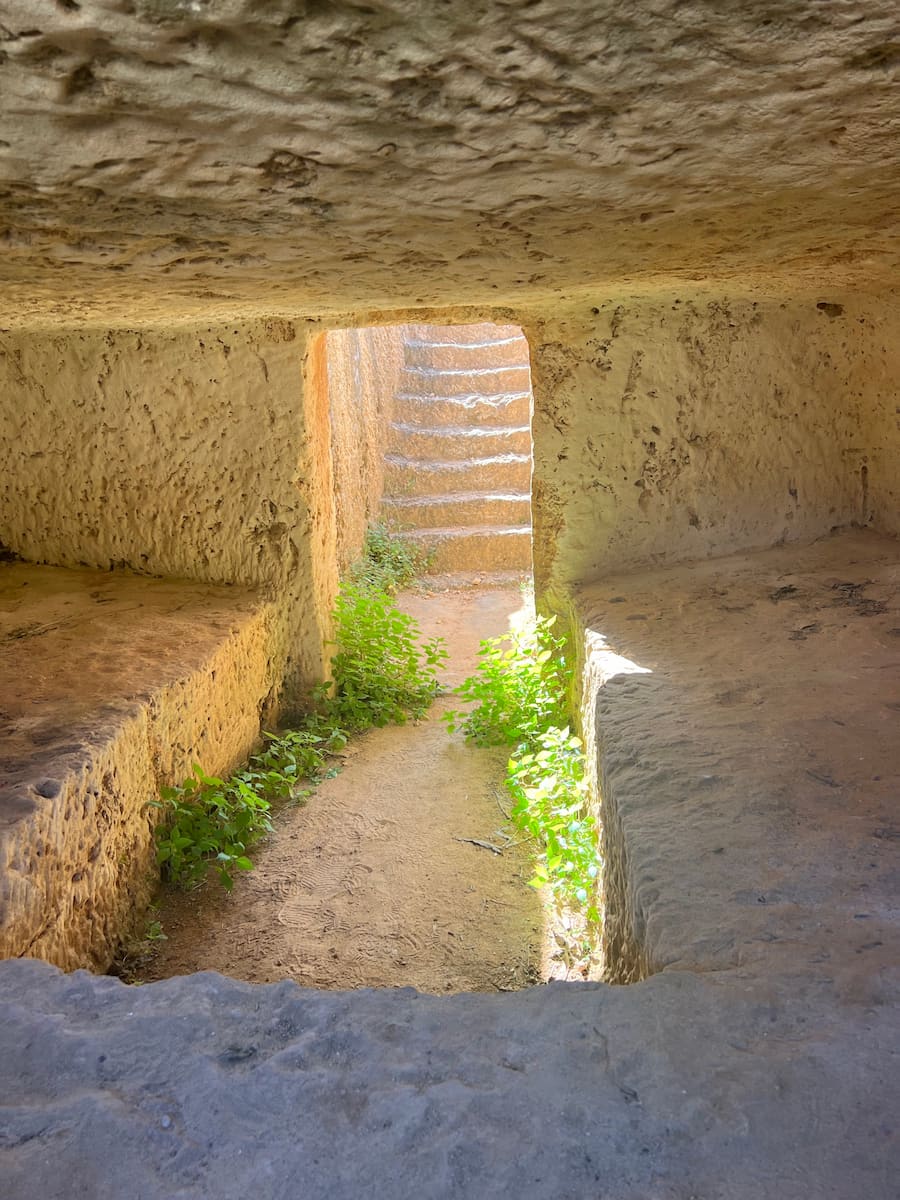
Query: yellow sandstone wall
[(363, 366), (193, 454), (691, 426), (876, 379)]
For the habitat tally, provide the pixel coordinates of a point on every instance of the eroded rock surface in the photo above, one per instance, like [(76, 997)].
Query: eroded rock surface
[(746, 713), (110, 686), (686, 1085), (696, 424), (167, 159)]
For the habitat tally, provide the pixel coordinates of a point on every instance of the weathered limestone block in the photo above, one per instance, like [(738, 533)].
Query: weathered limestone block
[(706, 1085), (194, 454), (110, 685), (166, 159), (699, 425), (744, 715)]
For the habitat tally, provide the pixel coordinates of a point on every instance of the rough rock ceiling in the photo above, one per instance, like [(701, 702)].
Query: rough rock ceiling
[(160, 157)]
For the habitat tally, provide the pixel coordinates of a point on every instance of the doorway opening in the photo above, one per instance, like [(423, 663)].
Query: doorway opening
[(431, 434), (406, 867)]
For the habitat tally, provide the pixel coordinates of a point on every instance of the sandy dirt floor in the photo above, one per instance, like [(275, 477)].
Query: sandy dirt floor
[(369, 884)]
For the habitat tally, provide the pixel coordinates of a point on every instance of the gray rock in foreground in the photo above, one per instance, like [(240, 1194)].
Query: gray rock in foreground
[(686, 1085)]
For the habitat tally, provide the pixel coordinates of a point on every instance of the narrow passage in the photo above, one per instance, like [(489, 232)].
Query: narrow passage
[(368, 884)]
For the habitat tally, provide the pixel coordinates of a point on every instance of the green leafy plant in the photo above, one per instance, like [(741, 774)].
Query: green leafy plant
[(550, 793), (293, 755), (519, 688), (383, 671), (209, 819), (214, 820), (136, 952), (519, 694), (388, 562), (155, 933)]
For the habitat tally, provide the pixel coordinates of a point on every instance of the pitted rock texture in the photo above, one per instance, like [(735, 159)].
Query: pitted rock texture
[(201, 1087), (182, 157), (110, 686), (362, 366), (745, 716), (698, 424), (200, 454)]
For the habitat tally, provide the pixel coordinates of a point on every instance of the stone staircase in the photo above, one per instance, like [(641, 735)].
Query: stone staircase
[(457, 476)]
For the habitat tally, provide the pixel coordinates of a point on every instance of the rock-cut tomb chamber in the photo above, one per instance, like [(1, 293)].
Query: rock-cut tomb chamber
[(691, 213)]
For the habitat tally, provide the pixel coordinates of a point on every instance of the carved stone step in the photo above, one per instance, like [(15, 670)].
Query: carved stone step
[(465, 408), (461, 509), (427, 477), (488, 548), (454, 441), (496, 351), (432, 381)]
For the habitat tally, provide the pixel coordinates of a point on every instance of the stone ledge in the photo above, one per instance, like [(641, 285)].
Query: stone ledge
[(746, 712), (112, 684), (709, 1085)]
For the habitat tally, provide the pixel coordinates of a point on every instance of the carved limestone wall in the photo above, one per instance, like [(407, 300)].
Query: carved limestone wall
[(193, 454), (363, 366), (691, 425)]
